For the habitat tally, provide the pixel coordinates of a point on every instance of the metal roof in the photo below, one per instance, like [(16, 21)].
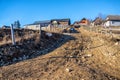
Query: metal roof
[(64, 20), (113, 17), (42, 22)]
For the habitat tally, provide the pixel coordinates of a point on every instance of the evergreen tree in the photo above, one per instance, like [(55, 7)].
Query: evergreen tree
[(16, 24)]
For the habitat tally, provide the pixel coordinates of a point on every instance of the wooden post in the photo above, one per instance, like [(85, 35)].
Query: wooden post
[(50, 27), (12, 35), (40, 31)]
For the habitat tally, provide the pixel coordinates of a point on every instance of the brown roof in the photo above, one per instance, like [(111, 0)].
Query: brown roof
[(113, 17), (97, 19)]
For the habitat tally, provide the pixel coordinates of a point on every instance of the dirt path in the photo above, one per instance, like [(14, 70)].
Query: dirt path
[(85, 57)]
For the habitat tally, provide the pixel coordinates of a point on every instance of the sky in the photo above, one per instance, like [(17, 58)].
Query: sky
[(28, 11)]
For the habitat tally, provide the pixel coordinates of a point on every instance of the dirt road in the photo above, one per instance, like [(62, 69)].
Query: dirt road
[(86, 56)]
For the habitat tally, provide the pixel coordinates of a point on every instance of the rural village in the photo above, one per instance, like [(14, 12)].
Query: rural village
[(58, 50)]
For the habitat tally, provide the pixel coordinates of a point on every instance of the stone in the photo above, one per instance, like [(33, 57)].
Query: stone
[(20, 58), (71, 56), (68, 69), (14, 59), (28, 41), (49, 34), (1, 75), (1, 53), (24, 57), (116, 43), (88, 55), (83, 59)]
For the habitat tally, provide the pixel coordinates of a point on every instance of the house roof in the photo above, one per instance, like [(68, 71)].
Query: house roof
[(28, 24), (64, 20), (113, 17), (97, 19), (47, 22), (4, 26), (42, 22), (76, 22)]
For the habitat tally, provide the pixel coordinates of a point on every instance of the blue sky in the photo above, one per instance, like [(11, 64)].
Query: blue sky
[(28, 11)]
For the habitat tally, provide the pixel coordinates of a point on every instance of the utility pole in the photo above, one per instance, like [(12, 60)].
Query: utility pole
[(12, 35)]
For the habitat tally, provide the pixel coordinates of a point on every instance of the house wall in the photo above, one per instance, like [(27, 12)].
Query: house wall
[(76, 24), (107, 23), (33, 27), (112, 23), (84, 22), (115, 23), (63, 23)]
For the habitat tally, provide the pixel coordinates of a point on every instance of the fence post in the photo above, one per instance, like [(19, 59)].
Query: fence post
[(12, 35), (40, 32)]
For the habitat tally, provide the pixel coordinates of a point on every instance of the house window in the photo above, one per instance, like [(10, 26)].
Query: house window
[(37, 26), (113, 22)]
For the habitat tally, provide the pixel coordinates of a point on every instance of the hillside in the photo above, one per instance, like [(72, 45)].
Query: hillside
[(81, 56)]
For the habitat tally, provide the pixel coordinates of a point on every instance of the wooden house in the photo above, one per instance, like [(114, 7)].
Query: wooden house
[(76, 24), (63, 22), (97, 21), (82, 22)]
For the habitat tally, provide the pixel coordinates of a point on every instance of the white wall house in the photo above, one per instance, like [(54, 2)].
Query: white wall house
[(37, 24), (32, 26), (112, 20)]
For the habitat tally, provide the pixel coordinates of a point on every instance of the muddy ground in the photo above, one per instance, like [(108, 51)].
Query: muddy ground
[(80, 56)]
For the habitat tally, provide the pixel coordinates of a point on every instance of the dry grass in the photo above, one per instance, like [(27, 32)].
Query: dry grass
[(20, 35)]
